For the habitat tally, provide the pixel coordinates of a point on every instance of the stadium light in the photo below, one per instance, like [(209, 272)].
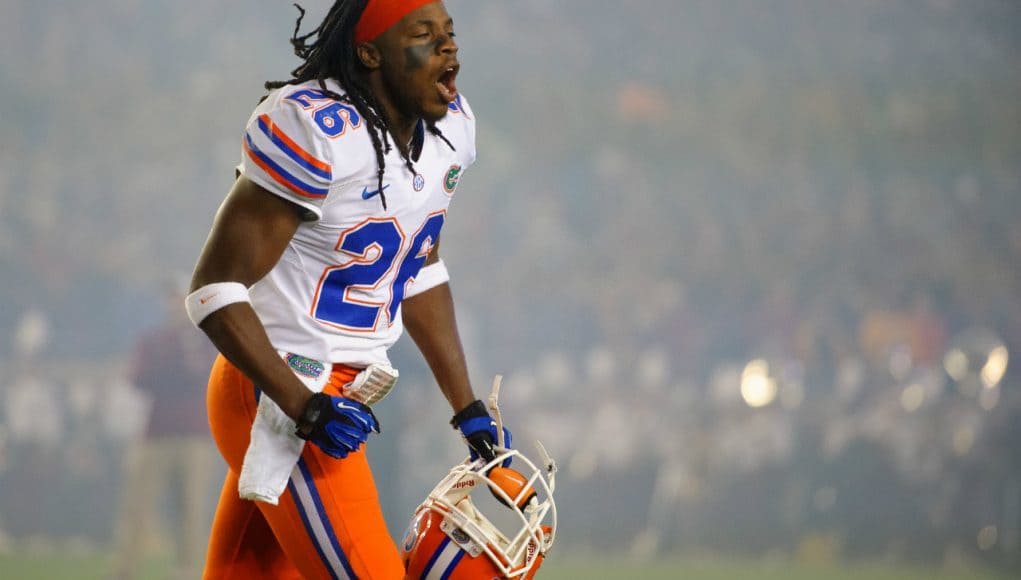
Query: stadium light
[(758, 389)]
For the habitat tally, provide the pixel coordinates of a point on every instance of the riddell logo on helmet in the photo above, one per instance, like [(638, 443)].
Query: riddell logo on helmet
[(464, 483)]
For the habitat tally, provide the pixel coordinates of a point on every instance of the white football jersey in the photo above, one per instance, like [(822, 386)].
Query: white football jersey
[(335, 295)]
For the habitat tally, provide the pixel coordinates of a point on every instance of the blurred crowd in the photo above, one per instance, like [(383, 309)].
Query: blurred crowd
[(750, 268), (892, 457)]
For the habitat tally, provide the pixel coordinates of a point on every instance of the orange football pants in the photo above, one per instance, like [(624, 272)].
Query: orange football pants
[(328, 523)]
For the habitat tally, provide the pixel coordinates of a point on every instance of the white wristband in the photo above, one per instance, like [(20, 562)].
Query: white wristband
[(428, 278), (212, 297)]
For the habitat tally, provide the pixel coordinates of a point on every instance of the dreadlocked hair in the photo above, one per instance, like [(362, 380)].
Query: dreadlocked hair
[(328, 52)]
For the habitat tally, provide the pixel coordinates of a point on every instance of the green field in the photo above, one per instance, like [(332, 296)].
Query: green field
[(40, 567), (572, 568)]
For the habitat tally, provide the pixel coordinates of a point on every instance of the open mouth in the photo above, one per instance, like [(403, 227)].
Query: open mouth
[(446, 84)]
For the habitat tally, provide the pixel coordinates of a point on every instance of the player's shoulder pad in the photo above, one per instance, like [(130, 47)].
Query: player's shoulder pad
[(293, 138), (282, 146)]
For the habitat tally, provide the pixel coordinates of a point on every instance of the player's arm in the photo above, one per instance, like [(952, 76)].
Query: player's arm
[(250, 232), (429, 319)]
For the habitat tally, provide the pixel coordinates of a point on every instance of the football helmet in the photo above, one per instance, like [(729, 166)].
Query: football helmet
[(450, 538)]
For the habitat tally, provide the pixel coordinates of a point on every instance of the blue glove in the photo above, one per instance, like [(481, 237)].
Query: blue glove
[(338, 425), (479, 430)]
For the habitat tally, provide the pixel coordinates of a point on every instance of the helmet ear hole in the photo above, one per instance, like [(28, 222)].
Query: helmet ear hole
[(512, 483)]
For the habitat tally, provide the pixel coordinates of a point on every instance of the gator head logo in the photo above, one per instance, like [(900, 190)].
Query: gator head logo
[(305, 367), (451, 179), (459, 536)]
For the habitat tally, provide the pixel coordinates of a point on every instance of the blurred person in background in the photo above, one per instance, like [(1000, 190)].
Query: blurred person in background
[(325, 248), (176, 458), (30, 387), (35, 421)]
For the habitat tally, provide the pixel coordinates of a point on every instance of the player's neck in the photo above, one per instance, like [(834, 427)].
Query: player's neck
[(402, 131), (402, 126)]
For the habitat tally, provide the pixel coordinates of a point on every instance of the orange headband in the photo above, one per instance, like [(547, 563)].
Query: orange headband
[(379, 15)]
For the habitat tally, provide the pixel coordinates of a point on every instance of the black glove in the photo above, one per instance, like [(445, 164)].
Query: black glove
[(479, 431)]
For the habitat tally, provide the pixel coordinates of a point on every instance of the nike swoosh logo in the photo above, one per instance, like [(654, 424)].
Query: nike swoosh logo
[(208, 298), (366, 194), (346, 407)]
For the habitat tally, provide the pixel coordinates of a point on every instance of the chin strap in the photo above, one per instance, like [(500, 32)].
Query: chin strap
[(494, 409)]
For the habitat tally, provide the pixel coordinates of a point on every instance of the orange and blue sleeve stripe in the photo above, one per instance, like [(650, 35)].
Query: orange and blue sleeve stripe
[(281, 175), (303, 158)]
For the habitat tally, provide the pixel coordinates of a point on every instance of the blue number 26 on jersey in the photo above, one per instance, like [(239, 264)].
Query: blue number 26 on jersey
[(382, 266)]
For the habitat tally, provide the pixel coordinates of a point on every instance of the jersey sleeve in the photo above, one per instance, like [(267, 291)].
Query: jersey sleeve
[(285, 153)]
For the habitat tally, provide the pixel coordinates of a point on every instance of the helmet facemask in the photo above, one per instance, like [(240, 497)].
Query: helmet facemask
[(513, 525)]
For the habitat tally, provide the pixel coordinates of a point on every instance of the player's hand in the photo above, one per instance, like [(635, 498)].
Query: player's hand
[(479, 431), (338, 425)]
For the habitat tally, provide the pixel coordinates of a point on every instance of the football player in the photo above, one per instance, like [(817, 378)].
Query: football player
[(324, 250)]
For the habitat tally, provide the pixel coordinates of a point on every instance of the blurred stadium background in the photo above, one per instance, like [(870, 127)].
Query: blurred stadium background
[(750, 269)]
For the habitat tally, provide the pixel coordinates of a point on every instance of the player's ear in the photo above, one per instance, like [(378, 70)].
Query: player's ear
[(369, 55)]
